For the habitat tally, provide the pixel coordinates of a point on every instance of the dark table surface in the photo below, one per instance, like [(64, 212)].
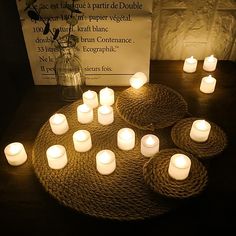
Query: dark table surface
[(25, 206)]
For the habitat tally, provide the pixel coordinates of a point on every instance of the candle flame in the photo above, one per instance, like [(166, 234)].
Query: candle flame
[(150, 141), (105, 158), (80, 135), (107, 92), (201, 124), (211, 58), (55, 151), (180, 161), (126, 134), (138, 80), (209, 79), (136, 83), (89, 94), (105, 109), (190, 59), (84, 108), (58, 119), (15, 148)]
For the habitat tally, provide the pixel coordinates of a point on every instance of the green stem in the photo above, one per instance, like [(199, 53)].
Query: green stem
[(71, 27), (41, 18)]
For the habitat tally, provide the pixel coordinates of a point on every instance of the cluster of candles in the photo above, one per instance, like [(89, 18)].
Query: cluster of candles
[(179, 165), (208, 83)]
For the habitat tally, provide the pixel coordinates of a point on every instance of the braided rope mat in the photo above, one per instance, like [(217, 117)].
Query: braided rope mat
[(156, 175), (215, 144), (122, 195), (153, 106)]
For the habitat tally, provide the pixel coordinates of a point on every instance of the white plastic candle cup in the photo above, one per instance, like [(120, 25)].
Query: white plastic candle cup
[(179, 166), (126, 139), (15, 154), (82, 141), (210, 63), (138, 80), (208, 84), (149, 145), (105, 162), (190, 65), (200, 130), (105, 115), (106, 96), (84, 114), (90, 98), (56, 156), (58, 124)]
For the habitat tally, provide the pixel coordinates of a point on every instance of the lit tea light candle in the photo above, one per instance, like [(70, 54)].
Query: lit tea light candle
[(90, 98), (208, 84), (138, 80), (15, 154), (179, 166), (105, 162), (56, 156), (126, 139), (106, 96), (84, 114), (200, 130), (149, 145), (105, 115), (190, 65), (58, 124), (210, 63), (82, 141)]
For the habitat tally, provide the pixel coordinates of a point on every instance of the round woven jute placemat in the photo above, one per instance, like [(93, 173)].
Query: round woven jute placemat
[(153, 106), (214, 145), (122, 195), (156, 176)]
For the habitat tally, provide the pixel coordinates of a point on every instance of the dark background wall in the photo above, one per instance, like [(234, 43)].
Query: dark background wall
[(15, 73)]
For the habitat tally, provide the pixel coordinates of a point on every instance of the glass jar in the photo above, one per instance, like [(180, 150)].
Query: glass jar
[(69, 73)]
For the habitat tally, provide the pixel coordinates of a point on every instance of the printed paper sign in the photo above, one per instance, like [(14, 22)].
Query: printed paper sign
[(114, 39)]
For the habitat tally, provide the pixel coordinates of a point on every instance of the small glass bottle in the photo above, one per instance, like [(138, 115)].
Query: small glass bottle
[(69, 73)]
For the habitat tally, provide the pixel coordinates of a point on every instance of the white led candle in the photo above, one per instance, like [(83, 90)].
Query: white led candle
[(105, 115), (105, 162), (90, 98), (15, 154), (106, 96), (179, 166), (208, 84), (200, 130), (56, 156), (138, 80), (84, 114), (190, 65), (126, 139), (58, 124), (82, 141), (210, 63), (149, 145)]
